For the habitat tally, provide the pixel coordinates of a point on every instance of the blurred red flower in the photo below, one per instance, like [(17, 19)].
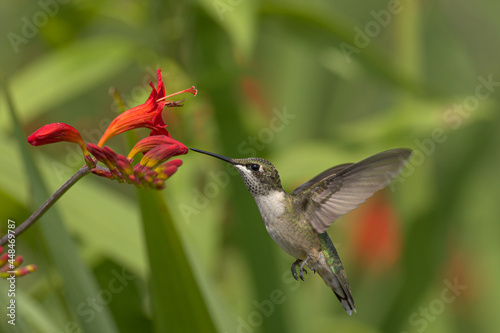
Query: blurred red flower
[(376, 234), (9, 264)]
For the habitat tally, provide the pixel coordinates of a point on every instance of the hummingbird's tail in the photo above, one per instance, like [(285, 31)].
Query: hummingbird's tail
[(330, 268)]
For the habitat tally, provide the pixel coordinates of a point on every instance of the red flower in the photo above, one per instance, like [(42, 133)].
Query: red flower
[(153, 168), (148, 115), (57, 132), (150, 172)]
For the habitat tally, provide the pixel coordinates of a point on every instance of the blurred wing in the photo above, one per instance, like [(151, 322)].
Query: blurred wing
[(335, 194)]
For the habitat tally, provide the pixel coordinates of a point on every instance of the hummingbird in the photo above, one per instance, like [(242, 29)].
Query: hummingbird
[(297, 221)]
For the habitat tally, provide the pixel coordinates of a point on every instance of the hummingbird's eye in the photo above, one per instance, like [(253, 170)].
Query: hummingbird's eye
[(255, 167)]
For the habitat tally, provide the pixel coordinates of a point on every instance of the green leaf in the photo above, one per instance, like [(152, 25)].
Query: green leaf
[(178, 305), (238, 19)]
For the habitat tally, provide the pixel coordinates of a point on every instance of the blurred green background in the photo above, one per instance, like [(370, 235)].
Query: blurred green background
[(306, 86)]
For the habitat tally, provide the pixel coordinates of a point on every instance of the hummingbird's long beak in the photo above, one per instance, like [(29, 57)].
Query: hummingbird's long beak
[(224, 158)]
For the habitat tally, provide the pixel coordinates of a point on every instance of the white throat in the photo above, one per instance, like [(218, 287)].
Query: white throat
[(271, 206)]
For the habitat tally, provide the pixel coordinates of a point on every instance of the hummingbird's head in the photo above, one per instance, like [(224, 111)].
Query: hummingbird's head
[(259, 175)]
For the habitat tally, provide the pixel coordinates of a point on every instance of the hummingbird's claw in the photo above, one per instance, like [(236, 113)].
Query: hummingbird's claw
[(294, 269), (302, 269)]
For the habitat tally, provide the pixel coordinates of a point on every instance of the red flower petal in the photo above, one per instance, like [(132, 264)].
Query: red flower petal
[(161, 153), (151, 142), (168, 169), (55, 132), (147, 115), (139, 116)]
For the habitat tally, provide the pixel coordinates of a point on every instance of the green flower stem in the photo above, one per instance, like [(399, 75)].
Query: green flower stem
[(83, 171)]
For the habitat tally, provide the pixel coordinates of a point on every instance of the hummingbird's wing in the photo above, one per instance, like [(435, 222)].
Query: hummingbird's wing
[(340, 189), (332, 171)]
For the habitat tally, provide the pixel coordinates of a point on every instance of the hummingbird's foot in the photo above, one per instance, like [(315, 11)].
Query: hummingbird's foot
[(302, 269), (294, 269)]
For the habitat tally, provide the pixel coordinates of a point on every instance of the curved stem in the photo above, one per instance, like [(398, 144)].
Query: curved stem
[(47, 204)]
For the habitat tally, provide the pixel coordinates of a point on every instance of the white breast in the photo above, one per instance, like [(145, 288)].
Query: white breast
[(286, 235), (271, 207)]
